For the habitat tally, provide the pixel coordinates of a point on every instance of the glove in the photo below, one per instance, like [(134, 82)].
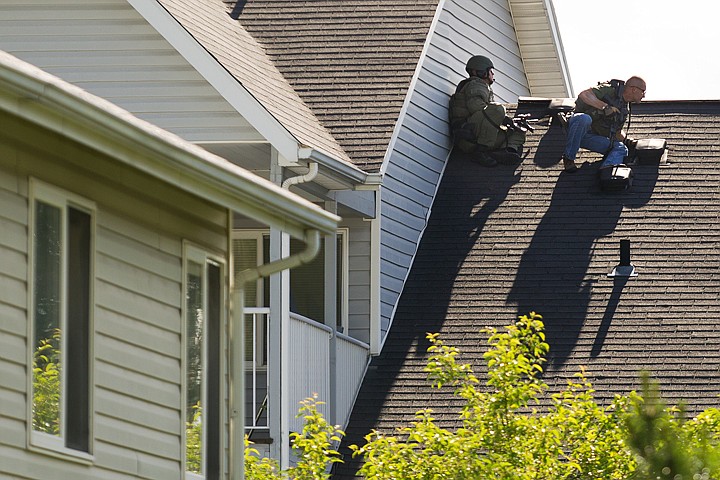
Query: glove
[(508, 122), (631, 143), (610, 110)]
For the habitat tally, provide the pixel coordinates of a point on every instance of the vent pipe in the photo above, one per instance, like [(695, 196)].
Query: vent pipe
[(624, 268)]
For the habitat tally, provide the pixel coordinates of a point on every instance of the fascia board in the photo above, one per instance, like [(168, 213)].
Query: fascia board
[(55, 105), (555, 29), (226, 85), (343, 171)]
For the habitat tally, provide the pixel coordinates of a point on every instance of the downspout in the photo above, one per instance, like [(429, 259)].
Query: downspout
[(312, 247), (237, 409), (284, 373), (308, 177)]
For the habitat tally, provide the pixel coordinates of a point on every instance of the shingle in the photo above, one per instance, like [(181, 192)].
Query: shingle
[(350, 62), (244, 58), (503, 241)]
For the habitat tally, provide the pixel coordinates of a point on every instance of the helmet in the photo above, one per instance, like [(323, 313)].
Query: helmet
[(479, 63)]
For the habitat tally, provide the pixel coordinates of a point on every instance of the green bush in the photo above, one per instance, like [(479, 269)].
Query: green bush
[(313, 448), (46, 386), (504, 436)]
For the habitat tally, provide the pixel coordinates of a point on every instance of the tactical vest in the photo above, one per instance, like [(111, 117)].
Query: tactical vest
[(611, 93), (485, 122)]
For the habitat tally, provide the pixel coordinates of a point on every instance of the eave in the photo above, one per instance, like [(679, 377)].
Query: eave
[(541, 48), (36, 96)]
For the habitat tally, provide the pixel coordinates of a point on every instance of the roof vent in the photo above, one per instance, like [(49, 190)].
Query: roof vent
[(624, 268)]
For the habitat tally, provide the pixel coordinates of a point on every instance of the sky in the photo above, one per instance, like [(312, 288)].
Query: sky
[(672, 44)]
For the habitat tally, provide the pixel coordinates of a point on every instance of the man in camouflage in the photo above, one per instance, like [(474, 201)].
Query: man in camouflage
[(478, 124)]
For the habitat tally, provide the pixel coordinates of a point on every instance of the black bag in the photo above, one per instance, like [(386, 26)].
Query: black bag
[(651, 151), (616, 178)]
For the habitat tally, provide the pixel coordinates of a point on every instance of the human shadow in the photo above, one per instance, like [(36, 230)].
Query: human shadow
[(468, 195), (553, 276)]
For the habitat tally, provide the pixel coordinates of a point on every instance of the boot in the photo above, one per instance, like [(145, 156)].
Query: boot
[(569, 164), (483, 159), (507, 156)]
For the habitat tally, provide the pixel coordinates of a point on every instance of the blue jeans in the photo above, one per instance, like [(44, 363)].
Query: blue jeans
[(579, 135)]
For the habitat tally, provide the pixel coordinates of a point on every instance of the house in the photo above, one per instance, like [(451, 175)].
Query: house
[(506, 241), (121, 348), (343, 104)]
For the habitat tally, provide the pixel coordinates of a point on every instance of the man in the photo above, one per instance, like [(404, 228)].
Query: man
[(479, 125), (597, 125)]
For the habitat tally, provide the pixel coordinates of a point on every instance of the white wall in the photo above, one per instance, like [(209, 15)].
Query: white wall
[(108, 49), (421, 143)]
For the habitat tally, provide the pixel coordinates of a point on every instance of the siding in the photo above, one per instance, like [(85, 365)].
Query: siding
[(140, 227), (421, 144), (13, 327), (108, 49), (359, 279)]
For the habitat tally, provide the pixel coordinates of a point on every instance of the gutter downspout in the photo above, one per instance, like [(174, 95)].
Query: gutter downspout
[(308, 177), (237, 333), (283, 314)]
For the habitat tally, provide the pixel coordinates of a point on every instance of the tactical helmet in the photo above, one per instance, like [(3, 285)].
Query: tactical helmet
[(479, 63)]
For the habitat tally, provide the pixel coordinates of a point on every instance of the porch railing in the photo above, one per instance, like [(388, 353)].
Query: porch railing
[(321, 362), (256, 372)]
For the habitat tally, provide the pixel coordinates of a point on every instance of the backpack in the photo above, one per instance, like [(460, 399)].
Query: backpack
[(616, 178)]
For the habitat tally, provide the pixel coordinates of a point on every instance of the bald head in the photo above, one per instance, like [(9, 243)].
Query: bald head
[(634, 89)]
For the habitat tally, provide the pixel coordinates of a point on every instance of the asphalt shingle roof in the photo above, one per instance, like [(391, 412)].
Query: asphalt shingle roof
[(350, 62), (507, 240), (208, 22)]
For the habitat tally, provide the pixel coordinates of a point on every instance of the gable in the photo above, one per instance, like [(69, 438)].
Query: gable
[(239, 53), (108, 49)]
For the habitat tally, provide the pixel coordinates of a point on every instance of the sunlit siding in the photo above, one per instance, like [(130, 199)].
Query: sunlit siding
[(108, 49), (421, 143), (140, 226)]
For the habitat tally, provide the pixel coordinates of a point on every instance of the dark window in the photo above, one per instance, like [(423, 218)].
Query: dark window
[(203, 362), (62, 283)]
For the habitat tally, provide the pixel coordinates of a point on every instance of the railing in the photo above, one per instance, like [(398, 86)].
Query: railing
[(256, 375), (309, 349), (321, 362), (351, 359)]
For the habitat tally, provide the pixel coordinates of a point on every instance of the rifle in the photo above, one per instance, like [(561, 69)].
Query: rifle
[(520, 123)]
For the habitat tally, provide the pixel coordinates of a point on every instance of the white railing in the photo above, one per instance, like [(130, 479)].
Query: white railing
[(256, 374), (322, 362), (351, 358), (309, 348)]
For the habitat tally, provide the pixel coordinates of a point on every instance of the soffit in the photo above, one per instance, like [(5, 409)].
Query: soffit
[(541, 48)]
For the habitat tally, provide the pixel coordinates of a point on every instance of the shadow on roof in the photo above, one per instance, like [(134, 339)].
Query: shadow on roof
[(553, 276), (237, 9)]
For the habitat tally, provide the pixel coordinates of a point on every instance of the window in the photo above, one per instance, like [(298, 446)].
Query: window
[(307, 282), (61, 249), (307, 294), (204, 300)]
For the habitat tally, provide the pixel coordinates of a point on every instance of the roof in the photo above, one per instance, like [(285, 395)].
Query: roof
[(32, 94), (507, 240), (241, 55), (350, 62)]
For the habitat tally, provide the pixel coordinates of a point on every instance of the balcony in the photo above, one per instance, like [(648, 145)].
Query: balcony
[(322, 361)]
